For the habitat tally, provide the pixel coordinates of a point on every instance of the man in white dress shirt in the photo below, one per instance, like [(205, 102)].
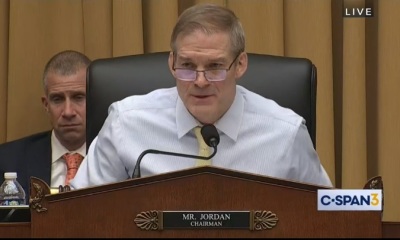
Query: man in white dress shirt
[(207, 59)]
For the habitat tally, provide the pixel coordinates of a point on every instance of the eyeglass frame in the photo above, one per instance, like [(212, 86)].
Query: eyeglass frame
[(204, 71)]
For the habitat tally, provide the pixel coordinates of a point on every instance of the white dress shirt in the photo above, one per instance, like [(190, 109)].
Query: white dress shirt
[(256, 136), (58, 165)]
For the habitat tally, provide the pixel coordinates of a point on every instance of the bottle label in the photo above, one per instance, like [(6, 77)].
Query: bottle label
[(12, 202)]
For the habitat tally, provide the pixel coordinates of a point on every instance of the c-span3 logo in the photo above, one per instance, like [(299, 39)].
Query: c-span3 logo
[(350, 200)]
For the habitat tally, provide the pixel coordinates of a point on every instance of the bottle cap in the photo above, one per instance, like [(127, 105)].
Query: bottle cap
[(8, 175)]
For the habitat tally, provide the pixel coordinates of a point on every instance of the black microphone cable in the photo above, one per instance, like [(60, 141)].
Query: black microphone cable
[(210, 136)]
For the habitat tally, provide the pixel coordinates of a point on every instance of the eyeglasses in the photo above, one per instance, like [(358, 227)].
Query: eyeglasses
[(212, 75)]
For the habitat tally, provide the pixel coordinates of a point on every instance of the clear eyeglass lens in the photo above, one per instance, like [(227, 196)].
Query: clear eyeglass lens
[(185, 74), (215, 75), (191, 75)]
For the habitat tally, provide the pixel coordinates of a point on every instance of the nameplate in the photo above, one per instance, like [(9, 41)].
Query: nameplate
[(164, 220)]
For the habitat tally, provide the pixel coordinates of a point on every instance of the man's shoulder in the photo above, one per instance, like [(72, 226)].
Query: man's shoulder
[(268, 108), (34, 138)]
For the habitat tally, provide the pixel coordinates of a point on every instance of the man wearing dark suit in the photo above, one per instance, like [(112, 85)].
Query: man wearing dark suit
[(41, 155)]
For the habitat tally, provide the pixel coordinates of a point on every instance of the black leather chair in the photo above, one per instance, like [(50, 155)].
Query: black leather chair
[(291, 82)]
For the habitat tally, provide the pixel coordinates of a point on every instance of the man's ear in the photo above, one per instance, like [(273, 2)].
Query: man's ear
[(171, 63), (241, 65), (45, 103)]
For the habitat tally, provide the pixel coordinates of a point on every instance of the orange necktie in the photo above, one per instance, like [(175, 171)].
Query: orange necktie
[(73, 162)]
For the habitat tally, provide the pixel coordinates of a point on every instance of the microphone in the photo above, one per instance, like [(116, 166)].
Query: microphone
[(210, 136)]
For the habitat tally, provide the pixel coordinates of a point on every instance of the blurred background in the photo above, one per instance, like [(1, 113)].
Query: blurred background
[(358, 100)]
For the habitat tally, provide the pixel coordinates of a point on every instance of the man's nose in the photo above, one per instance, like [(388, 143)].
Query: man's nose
[(201, 80), (69, 109)]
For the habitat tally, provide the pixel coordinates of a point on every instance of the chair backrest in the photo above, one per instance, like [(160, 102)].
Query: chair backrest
[(291, 82)]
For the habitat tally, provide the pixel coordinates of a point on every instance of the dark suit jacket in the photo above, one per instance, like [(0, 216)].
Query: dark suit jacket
[(29, 156)]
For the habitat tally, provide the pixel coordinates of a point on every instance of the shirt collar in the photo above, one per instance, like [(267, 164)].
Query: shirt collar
[(232, 120), (58, 150), (185, 122), (229, 124)]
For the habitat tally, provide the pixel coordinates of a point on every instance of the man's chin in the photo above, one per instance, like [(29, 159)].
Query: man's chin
[(205, 117), (71, 133)]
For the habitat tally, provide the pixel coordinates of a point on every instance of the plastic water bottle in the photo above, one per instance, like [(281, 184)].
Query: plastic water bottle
[(11, 192)]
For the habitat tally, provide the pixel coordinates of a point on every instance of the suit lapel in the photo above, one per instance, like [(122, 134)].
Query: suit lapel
[(39, 154)]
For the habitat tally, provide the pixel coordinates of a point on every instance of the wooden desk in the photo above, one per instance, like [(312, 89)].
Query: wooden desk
[(23, 230), (391, 229), (58, 205), (15, 230)]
